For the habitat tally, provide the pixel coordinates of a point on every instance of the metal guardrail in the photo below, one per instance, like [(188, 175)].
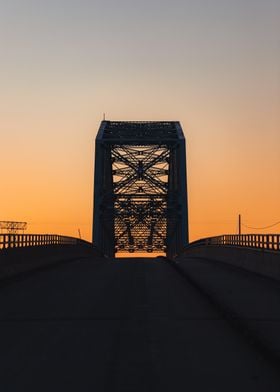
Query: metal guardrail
[(262, 241), (22, 240)]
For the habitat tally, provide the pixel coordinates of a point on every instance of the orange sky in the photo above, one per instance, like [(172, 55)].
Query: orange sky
[(215, 70)]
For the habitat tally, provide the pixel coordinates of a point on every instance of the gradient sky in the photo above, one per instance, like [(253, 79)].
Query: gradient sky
[(213, 65)]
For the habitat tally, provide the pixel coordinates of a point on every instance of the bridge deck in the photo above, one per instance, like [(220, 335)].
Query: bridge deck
[(127, 325)]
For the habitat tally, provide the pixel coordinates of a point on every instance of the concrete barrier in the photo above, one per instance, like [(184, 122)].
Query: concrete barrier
[(260, 261), (17, 261)]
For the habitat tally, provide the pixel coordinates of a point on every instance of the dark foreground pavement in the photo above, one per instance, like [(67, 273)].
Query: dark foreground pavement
[(122, 325)]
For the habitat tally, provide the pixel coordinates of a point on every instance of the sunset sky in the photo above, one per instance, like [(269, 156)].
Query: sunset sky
[(213, 65)]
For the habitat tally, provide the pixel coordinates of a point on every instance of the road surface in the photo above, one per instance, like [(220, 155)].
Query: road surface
[(122, 325)]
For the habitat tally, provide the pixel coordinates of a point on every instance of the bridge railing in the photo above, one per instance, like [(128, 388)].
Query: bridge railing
[(22, 240), (263, 241)]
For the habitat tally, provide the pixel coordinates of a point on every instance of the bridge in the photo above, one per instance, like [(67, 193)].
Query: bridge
[(140, 190), (201, 316)]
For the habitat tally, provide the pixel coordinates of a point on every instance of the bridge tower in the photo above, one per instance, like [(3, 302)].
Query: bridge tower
[(140, 188)]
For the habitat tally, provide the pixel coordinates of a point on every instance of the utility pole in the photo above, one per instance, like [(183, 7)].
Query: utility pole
[(239, 224)]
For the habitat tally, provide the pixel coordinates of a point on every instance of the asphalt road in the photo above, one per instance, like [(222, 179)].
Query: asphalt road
[(121, 325)]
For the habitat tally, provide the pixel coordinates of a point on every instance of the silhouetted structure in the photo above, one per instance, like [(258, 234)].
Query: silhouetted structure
[(12, 227), (140, 189)]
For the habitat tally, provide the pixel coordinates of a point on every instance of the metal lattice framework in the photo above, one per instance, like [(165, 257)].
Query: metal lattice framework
[(140, 182), (139, 169), (12, 227)]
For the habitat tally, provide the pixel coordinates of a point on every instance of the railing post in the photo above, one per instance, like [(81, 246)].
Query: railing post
[(274, 243)]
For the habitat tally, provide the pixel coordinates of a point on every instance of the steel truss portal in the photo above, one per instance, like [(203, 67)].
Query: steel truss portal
[(140, 199)]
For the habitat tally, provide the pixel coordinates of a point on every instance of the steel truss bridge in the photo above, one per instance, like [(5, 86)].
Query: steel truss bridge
[(72, 319), (140, 189)]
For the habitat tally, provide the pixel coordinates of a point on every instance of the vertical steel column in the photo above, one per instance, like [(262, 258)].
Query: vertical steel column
[(177, 221), (103, 219)]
